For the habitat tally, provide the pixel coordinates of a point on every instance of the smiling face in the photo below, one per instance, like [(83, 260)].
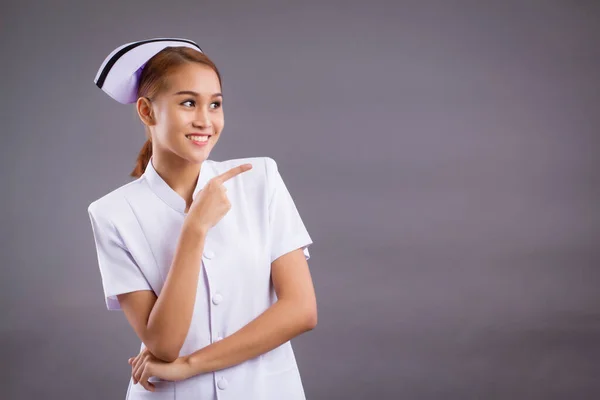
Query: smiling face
[(186, 117)]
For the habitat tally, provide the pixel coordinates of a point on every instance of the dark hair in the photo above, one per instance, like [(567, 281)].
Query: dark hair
[(153, 80)]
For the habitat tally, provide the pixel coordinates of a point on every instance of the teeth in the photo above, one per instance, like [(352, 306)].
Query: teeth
[(198, 138)]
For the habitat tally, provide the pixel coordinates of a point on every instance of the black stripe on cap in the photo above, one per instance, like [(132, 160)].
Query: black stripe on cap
[(132, 46)]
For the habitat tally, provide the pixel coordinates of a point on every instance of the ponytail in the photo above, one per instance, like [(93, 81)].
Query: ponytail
[(142, 160)]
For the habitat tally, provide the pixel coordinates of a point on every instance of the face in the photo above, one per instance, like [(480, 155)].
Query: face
[(186, 119)]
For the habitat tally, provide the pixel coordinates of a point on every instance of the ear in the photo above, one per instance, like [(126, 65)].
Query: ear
[(145, 111)]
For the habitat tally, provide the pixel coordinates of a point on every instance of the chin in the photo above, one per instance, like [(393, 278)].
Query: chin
[(199, 157)]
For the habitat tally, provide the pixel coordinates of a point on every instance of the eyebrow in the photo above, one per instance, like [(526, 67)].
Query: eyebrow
[(192, 93)]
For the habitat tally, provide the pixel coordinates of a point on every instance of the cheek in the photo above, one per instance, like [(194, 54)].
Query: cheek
[(175, 123), (218, 123), (179, 119)]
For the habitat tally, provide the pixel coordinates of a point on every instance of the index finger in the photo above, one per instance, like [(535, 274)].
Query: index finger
[(233, 172)]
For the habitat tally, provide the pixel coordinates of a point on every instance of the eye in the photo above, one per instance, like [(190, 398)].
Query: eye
[(188, 101), (216, 103)]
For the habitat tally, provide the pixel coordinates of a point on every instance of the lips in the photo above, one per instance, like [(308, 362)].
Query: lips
[(198, 140)]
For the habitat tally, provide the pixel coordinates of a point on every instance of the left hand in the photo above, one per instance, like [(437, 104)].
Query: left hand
[(145, 365)]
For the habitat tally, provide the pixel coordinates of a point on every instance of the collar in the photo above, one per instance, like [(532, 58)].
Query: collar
[(166, 193)]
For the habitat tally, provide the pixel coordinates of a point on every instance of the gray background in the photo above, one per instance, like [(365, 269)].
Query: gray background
[(442, 156)]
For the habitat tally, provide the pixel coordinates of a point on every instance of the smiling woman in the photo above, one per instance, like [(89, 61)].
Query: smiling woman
[(163, 81), (207, 259)]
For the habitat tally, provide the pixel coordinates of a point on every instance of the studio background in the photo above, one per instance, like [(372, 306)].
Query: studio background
[(443, 157)]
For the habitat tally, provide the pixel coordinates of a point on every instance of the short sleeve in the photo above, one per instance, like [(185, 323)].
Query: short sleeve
[(287, 231), (119, 271)]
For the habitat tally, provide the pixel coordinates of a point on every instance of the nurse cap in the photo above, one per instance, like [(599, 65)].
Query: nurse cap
[(119, 74)]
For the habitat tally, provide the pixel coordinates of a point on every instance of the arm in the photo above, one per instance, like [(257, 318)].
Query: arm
[(163, 323), (294, 312)]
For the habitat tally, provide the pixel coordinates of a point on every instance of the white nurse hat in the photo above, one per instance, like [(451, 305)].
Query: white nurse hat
[(119, 74)]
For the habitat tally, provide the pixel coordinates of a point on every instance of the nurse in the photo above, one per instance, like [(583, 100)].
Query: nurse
[(207, 259)]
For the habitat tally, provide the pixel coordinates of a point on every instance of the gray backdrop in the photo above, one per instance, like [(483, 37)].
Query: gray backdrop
[(442, 156)]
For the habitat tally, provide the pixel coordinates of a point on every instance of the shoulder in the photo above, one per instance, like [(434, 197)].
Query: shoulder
[(111, 205), (263, 180)]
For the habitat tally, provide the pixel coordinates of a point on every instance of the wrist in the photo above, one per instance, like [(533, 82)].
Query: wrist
[(195, 364), (195, 229), (186, 362)]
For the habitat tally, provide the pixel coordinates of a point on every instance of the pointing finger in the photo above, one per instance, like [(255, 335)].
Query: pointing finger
[(233, 172)]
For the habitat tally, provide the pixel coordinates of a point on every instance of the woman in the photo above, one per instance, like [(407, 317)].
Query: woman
[(207, 259)]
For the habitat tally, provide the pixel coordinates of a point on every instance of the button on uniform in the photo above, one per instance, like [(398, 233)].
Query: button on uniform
[(217, 298), (209, 254), (222, 384)]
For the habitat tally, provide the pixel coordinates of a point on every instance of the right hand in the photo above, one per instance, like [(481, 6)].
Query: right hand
[(211, 202)]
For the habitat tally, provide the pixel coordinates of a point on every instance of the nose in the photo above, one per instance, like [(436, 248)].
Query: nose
[(202, 120)]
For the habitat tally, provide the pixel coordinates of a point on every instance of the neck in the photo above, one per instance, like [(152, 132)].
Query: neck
[(181, 175)]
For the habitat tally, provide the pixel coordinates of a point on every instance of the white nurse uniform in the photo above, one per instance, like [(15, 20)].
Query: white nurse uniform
[(136, 228)]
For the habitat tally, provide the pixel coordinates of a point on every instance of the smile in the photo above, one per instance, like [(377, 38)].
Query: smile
[(198, 140)]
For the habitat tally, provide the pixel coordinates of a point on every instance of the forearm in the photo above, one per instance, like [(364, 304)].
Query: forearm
[(281, 322), (170, 318)]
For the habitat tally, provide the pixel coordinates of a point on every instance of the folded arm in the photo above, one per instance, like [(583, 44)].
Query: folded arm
[(293, 313)]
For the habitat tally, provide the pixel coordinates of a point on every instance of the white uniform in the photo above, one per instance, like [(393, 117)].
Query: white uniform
[(136, 229)]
